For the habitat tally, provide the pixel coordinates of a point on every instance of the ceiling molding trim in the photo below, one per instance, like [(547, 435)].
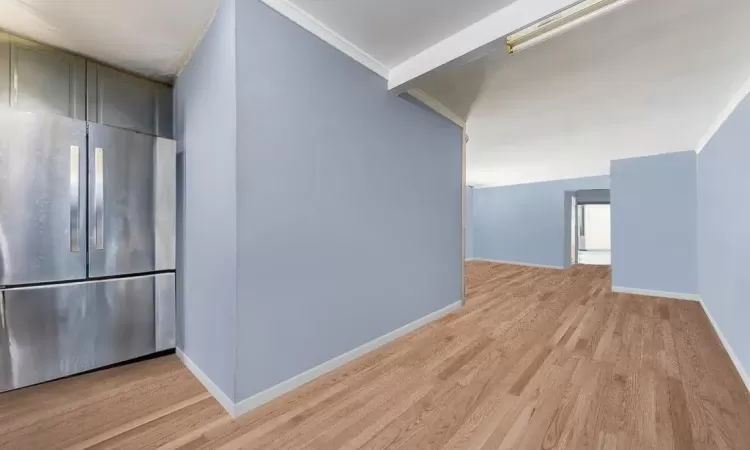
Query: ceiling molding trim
[(436, 106), (189, 54), (482, 36), (723, 116), (299, 16), (596, 173)]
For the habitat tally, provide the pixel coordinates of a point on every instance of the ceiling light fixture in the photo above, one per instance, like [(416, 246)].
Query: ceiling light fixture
[(561, 22)]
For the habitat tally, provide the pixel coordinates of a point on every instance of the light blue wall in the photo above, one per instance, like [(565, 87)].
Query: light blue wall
[(469, 222), (205, 128), (654, 223), (724, 229), (349, 203), (525, 223)]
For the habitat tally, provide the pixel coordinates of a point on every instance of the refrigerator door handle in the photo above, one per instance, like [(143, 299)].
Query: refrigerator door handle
[(3, 322), (99, 198), (75, 198)]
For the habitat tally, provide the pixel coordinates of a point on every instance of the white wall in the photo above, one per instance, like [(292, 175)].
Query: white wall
[(598, 227)]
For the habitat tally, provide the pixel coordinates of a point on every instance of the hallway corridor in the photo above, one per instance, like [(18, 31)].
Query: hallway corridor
[(537, 358)]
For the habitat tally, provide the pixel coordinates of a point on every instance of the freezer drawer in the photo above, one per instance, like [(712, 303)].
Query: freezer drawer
[(42, 198), (54, 331), (132, 202)]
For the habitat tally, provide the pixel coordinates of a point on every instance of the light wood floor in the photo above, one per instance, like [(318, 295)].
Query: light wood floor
[(538, 359)]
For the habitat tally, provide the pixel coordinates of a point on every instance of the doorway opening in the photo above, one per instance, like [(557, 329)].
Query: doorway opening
[(594, 234), (588, 227)]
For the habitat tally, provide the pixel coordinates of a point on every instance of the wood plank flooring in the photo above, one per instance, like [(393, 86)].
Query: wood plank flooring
[(537, 359)]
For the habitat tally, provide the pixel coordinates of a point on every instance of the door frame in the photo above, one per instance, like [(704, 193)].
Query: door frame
[(464, 190), (570, 242)]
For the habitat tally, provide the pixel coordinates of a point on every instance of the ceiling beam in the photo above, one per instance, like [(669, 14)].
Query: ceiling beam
[(475, 40)]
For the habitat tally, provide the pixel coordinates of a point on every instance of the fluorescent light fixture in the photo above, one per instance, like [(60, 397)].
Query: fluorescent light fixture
[(561, 22)]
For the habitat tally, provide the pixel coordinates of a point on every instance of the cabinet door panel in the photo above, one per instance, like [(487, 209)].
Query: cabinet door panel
[(121, 100), (46, 80), (164, 112), (125, 101)]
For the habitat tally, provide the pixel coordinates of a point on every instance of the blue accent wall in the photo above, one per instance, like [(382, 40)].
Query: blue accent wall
[(654, 223), (724, 229), (348, 203), (525, 223), (205, 129), (469, 222)]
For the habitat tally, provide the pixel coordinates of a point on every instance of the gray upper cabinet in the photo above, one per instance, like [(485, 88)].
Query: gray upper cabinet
[(43, 79), (164, 112), (38, 78), (121, 100)]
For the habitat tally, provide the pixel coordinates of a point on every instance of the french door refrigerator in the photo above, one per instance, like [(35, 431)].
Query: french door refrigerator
[(87, 246)]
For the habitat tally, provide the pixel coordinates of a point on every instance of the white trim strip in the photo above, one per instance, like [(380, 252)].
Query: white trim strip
[(282, 388), (724, 115), (302, 18), (206, 381), (249, 404), (438, 107), (651, 293), (188, 55), (474, 41), (516, 263), (727, 347)]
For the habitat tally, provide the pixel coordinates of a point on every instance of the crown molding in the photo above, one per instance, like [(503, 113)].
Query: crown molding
[(438, 107), (734, 102), (474, 41), (191, 51), (302, 18)]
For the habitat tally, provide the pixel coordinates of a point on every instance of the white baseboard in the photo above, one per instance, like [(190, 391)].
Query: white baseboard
[(515, 263), (247, 405), (206, 381), (282, 388), (650, 293), (727, 347)]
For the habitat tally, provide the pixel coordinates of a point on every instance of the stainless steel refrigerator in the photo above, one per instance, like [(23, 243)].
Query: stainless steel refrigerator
[(87, 246)]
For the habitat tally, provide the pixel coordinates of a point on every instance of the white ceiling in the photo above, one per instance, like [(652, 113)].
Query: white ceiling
[(151, 37), (391, 31), (156, 37), (649, 78)]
